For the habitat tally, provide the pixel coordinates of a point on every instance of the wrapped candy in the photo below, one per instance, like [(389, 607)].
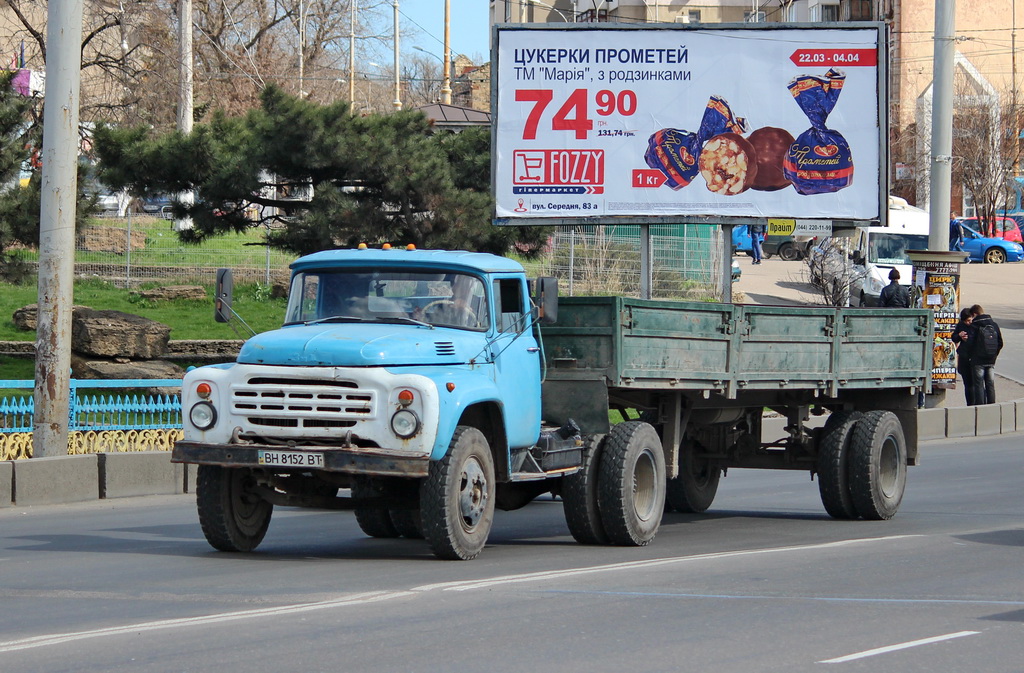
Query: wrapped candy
[(676, 152), (819, 161)]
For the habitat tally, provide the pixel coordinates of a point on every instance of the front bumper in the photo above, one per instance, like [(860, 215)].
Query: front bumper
[(378, 462)]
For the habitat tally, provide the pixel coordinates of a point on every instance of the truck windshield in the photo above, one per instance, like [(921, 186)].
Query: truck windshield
[(892, 248), (442, 299)]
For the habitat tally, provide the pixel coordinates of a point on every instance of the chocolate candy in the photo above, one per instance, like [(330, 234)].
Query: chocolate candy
[(770, 146), (728, 164), (675, 152), (819, 161)]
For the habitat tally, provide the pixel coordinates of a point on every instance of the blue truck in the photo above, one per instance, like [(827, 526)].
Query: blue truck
[(424, 389)]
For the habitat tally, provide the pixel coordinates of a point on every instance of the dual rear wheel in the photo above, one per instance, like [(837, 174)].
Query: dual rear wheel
[(862, 465)]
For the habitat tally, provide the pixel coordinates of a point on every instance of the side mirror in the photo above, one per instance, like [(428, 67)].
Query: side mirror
[(222, 299), (546, 298), (858, 258)]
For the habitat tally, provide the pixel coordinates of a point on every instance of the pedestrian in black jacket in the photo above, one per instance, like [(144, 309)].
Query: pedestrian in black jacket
[(962, 334), (988, 341), (894, 295)]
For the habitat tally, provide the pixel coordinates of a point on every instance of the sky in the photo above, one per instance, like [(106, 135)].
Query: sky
[(422, 24)]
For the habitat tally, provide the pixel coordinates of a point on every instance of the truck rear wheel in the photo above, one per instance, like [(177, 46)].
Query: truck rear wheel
[(233, 516), (374, 520), (878, 465), (695, 488), (631, 484), (457, 497), (833, 464), (579, 496)]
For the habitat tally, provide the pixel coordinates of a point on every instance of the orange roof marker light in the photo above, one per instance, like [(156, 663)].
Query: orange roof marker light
[(362, 246), (386, 246), (411, 246)]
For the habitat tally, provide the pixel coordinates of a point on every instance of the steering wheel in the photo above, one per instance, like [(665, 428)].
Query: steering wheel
[(470, 313)]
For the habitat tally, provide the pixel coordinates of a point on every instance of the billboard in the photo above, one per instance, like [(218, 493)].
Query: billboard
[(728, 123)]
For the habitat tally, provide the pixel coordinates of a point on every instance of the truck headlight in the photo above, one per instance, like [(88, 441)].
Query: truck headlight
[(405, 423), (202, 415)]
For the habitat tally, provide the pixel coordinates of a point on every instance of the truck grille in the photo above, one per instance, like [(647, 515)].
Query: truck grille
[(291, 403)]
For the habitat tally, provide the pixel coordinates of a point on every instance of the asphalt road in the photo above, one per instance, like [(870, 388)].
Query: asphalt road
[(763, 582)]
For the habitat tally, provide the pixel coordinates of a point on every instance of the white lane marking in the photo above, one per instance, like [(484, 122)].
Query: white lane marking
[(900, 646), (467, 585), (56, 639), (375, 597)]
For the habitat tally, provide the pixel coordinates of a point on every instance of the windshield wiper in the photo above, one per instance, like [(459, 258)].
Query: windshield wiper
[(332, 318), (403, 319)]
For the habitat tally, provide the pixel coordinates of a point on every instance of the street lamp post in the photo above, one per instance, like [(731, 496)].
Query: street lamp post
[(398, 81), (446, 87)]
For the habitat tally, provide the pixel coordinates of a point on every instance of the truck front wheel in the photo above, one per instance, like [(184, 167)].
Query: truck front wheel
[(695, 488), (234, 517), (878, 465), (579, 496), (631, 485), (457, 497)]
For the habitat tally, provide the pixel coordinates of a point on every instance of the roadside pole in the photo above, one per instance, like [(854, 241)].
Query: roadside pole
[(57, 229), (942, 124)]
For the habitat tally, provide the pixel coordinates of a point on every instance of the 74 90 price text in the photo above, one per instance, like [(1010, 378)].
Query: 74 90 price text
[(574, 112)]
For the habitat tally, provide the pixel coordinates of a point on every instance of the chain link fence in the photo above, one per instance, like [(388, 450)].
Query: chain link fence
[(139, 250)]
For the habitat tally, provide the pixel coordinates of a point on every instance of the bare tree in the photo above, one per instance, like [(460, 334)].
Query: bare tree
[(831, 273), (986, 149)]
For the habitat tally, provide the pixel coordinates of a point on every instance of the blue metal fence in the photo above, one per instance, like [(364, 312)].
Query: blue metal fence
[(103, 411)]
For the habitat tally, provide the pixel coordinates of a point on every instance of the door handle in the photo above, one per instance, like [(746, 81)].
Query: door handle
[(533, 349)]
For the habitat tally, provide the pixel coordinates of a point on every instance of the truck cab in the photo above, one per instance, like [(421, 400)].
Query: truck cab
[(388, 362)]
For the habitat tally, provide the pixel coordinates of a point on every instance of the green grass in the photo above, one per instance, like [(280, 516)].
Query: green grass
[(187, 319)]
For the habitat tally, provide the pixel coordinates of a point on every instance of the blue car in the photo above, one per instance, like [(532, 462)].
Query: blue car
[(990, 250)]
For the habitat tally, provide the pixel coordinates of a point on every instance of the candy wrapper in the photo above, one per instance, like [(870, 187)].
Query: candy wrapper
[(676, 152), (819, 161)]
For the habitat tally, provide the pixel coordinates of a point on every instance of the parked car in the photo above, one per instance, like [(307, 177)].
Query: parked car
[(991, 250), (786, 247), (157, 205), (1005, 228)]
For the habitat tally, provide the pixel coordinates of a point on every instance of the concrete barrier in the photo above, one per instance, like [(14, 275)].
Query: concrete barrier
[(1007, 417), (144, 473), (931, 424), (961, 422), (988, 421), (6, 483), (60, 479)]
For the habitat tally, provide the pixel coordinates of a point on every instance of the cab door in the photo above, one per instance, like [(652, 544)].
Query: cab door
[(516, 361)]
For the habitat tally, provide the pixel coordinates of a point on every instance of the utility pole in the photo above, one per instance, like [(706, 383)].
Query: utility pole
[(398, 76), (942, 124), (352, 58), (185, 112), (446, 88), (57, 229)]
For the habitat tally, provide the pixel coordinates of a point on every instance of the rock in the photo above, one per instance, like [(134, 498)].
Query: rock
[(279, 291), (194, 292), (83, 368), (108, 239), (26, 317), (118, 334)]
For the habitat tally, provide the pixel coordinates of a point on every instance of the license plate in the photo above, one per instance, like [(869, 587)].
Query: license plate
[(291, 459)]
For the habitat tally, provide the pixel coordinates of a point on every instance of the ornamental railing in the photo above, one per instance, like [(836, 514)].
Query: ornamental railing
[(124, 419)]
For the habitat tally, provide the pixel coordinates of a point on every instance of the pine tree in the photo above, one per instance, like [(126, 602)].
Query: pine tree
[(374, 179)]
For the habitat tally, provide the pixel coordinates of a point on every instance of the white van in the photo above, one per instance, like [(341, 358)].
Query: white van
[(875, 251), (909, 228)]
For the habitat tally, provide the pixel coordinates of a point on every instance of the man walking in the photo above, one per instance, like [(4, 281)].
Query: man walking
[(756, 232), (894, 295), (988, 341), (956, 233)]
